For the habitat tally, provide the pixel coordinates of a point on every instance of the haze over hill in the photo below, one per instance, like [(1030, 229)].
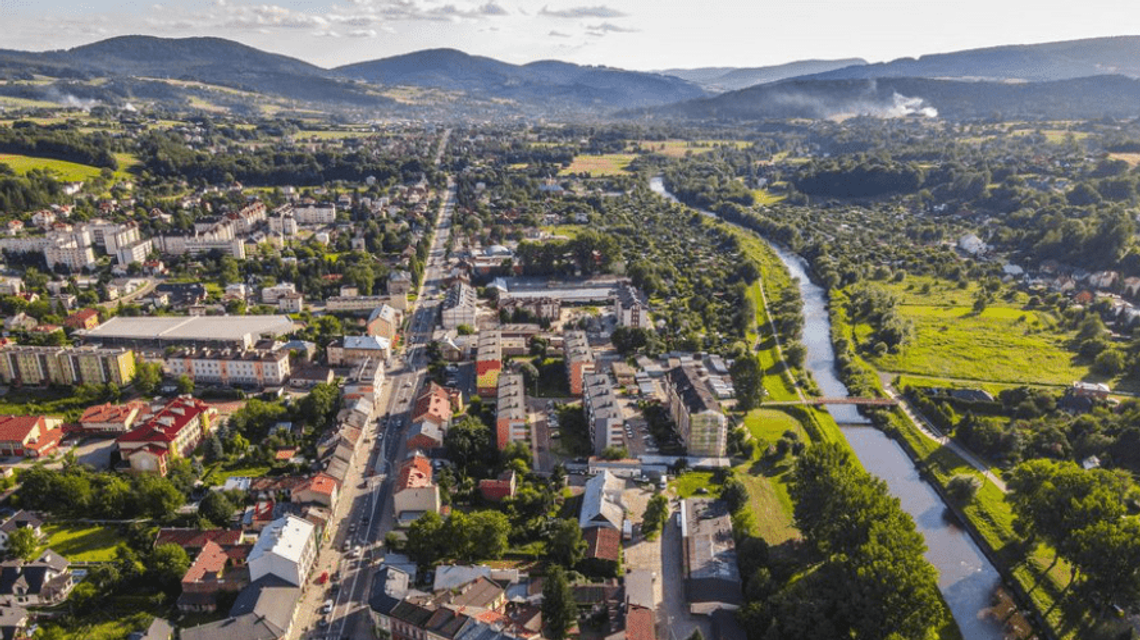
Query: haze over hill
[(454, 84)]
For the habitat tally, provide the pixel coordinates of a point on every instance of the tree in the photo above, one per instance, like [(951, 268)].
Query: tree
[(962, 487), (148, 375), (559, 612), (530, 374), (166, 566), (185, 384), (488, 534), (424, 542), (468, 441), (655, 516), (748, 380), (614, 452), (22, 544), (214, 451), (735, 494), (156, 497), (216, 508), (565, 545)]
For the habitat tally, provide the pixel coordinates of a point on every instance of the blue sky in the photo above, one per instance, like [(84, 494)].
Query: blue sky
[(633, 34)]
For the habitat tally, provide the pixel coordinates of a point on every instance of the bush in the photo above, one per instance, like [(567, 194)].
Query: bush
[(963, 487)]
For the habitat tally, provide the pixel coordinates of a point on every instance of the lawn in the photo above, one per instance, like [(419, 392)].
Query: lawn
[(607, 164), (217, 475), (687, 484), (771, 507), (1005, 343), (769, 425), (31, 401), (568, 230), (81, 542), (67, 171)]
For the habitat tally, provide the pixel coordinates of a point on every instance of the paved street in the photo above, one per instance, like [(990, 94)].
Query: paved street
[(364, 512)]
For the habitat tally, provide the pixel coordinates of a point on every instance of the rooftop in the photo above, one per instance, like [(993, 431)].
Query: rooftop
[(192, 328), (285, 537)]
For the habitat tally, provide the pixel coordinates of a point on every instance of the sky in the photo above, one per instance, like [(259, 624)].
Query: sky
[(631, 34)]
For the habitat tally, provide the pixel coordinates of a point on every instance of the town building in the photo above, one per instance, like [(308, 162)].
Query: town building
[(604, 418), (321, 489), (399, 282), (230, 367), (82, 319), (235, 332), (384, 322), (352, 350), (579, 359), (415, 492), (488, 363), (112, 418), (712, 577), (29, 436), (27, 365), (291, 303), (315, 214), (460, 306), (270, 295), (356, 304), (285, 549), (174, 430), (548, 309), (510, 411), (265, 609), (20, 520), (695, 410), (602, 503), (631, 307), (216, 569), (436, 404)]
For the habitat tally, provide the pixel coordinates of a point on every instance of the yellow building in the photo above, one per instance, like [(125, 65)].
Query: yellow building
[(66, 365)]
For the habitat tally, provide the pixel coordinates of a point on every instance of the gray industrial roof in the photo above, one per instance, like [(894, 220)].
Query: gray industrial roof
[(192, 328)]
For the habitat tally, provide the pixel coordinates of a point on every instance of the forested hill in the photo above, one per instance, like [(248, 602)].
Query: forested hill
[(731, 79), (1032, 63), (1079, 98), (541, 81)]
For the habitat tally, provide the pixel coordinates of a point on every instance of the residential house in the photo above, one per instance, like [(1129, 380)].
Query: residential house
[(83, 319), (384, 322), (415, 491), (435, 404), (216, 569), (29, 436), (426, 435), (500, 488), (321, 489), (264, 610), (45, 581), (20, 520), (602, 504), (112, 418)]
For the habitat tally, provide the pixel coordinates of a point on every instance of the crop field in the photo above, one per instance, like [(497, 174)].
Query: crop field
[(678, 148), (68, 171), (607, 164)]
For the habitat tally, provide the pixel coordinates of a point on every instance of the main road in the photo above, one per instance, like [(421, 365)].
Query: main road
[(364, 514)]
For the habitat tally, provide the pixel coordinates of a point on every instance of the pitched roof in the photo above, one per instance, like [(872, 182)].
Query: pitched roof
[(389, 586), (166, 425), (21, 519), (211, 560), (640, 624), (601, 502), (321, 483), (112, 413), (603, 543), (415, 472), (18, 428), (197, 538), (433, 402), (285, 537)]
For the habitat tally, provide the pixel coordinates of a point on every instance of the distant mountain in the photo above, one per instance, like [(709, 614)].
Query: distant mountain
[(1031, 63), (720, 79), (1090, 97), (208, 60), (549, 84)]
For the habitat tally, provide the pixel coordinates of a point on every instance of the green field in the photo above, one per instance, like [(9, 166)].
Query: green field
[(687, 484), (218, 475), (607, 164), (82, 543), (1004, 344), (67, 171)]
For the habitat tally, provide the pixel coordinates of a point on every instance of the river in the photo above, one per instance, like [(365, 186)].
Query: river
[(966, 577)]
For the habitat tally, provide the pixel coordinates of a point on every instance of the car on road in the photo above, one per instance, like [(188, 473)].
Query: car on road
[(327, 607)]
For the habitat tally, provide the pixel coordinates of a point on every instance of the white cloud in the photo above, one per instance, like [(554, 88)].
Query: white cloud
[(363, 33), (602, 29), (598, 11), (558, 34)]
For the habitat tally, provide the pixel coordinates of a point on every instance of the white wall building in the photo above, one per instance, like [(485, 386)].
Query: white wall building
[(286, 549)]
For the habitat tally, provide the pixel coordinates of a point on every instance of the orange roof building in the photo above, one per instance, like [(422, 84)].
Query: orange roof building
[(84, 319), (415, 491), (29, 436), (112, 418), (178, 428)]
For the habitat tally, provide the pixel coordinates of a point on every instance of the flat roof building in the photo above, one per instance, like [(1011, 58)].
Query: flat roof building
[(510, 411), (240, 332), (712, 576)]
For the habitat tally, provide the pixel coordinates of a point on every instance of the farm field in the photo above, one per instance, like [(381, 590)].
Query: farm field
[(607, 164)]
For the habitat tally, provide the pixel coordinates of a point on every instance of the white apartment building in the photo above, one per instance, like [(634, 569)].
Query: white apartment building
[(286, 549), (270, 295), (252, 367), (315, 214)]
